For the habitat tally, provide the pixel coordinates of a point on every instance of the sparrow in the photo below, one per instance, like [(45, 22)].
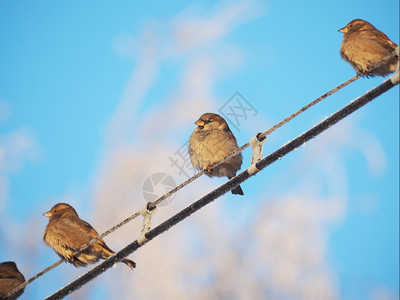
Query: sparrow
[(10, 278), (210, 142), (364, 46), (66, 233)]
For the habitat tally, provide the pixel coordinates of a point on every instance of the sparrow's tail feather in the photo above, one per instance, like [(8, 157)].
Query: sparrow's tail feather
[(129, 263), (237, 190), (107, 252)]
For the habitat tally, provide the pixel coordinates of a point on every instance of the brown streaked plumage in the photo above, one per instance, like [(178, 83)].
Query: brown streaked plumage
[(364, 46), (210, 142), (66, 233), (10, 278)]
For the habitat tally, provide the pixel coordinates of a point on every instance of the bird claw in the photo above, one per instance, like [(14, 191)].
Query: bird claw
[(209, 169)]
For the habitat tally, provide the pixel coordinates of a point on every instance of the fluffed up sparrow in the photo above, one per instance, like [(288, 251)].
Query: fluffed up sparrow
[(364, 46), (210, 142), (10, 278), (66, 233)]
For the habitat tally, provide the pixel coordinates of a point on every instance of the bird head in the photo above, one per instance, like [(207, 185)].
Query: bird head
[(60, 209), (209, 121), (356, 25)]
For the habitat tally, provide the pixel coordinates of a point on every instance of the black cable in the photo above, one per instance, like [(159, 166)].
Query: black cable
[(224, 188), (177, 188)]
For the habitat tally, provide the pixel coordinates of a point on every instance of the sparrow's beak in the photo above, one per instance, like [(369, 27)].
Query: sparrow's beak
[(48, 214), (343, 30), (200, 123)]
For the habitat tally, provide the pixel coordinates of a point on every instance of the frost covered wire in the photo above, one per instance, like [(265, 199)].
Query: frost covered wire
[(224, 188), (177, 188)]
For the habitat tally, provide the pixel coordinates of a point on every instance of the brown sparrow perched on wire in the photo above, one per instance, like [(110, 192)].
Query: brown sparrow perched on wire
[(210, 142), (66, 233), (364, 46), (10, 278)]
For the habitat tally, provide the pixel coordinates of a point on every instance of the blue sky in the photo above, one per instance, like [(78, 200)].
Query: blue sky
[(97, 96)]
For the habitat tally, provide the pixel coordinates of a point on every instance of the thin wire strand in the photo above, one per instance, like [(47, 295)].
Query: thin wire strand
[(304, 108), (177, 188), (224, 188)]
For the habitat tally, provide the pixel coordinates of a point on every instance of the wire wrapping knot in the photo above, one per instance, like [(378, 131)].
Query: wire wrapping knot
[(256, 144), (146, 212), (395, 79)]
